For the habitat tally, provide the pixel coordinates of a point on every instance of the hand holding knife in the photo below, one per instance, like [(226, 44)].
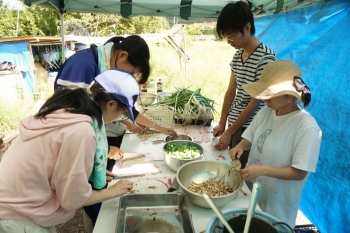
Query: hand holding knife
[(174, 186)]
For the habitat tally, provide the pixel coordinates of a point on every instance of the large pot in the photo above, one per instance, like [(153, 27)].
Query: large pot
[(199, 171), (175, 163), (257, 225), (236, 217)]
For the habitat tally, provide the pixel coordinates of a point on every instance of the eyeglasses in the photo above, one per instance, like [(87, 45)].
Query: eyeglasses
[(231, 36), (136, 75)]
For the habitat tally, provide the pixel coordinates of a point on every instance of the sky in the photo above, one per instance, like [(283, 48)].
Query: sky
[(13, 4)]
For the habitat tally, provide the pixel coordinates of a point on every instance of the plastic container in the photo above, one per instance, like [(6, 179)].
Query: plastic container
[(152, 86)]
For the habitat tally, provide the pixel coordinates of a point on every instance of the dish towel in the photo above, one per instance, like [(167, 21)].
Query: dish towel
[(98, 174)]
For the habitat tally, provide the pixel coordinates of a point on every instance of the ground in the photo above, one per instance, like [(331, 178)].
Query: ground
[(75, 225)]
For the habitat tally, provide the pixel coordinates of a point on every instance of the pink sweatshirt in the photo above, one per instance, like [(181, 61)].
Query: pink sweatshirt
[(44, 174)]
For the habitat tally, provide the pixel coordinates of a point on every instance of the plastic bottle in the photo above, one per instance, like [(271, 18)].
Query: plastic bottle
[(159, 85), (151, 86)]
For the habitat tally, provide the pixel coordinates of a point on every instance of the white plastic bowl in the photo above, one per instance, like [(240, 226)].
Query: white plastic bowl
[(161, 96), (146, 98)]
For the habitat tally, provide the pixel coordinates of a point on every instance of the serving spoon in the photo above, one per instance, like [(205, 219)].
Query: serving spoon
[(252, 204), (217, 211)]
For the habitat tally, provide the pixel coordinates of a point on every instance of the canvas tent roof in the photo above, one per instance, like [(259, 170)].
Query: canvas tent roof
[(186, 9)]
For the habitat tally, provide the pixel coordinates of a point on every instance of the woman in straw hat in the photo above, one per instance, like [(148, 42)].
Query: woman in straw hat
[(284, 140), (46, 171)]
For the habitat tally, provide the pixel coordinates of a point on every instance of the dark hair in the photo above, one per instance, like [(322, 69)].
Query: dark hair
[(79, 101), (233, 17), (138, 51)]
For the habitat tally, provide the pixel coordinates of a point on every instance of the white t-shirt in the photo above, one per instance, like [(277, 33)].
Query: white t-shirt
[(115, 129), (281, 141)]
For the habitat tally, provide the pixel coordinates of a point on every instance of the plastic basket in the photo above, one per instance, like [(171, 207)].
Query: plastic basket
[(215, 225), (162, 116)]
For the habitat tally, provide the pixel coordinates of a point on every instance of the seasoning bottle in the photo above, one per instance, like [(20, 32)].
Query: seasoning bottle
[(144, 87), (159, 85)]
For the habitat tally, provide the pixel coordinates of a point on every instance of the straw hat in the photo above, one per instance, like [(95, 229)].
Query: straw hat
[(276, 79)]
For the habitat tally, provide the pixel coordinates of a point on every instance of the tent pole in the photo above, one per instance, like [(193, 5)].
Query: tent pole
[(184, 35), (62, 37)]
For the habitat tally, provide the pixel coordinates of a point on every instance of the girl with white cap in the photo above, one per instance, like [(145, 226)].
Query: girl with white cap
[(45, 173), (284, 140)]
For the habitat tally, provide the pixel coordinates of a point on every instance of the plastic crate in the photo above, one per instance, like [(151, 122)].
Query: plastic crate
[(162, 116), (192, 122)]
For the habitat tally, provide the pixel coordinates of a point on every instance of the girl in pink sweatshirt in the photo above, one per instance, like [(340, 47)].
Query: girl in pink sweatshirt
[(44, 174)]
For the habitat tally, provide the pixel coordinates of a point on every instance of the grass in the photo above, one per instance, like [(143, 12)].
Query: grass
[(207, 68)]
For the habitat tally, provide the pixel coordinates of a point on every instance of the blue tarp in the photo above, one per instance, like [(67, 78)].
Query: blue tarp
[(17, 53), (317, 39)]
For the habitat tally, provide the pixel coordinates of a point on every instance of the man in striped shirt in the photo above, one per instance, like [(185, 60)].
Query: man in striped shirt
[(236, 25)]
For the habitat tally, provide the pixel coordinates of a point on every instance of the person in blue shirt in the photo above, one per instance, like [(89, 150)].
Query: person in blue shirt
[(130, 54)]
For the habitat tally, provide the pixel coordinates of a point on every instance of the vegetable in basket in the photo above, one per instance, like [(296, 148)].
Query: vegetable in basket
[(189, 105)]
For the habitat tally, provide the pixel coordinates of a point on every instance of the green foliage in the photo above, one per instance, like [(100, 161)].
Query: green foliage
[(208, 68), (7, 22), (200, 29), (41, 21)]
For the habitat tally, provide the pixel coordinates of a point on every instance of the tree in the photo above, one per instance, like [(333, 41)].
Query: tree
[(41, 21)]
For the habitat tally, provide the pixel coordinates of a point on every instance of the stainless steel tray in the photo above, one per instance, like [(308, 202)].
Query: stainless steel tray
[(141, 213)]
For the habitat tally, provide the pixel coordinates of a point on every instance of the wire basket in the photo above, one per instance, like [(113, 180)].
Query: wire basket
[(161, 115), (215, 225)]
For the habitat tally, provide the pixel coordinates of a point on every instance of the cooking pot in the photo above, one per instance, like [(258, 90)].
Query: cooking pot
[(257, 225), (239, 215)]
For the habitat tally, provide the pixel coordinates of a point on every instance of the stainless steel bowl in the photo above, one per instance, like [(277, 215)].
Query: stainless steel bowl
[(146, 98), (199, 171), (174, 163)]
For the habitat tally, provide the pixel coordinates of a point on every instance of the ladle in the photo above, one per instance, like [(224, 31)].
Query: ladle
[(252, 204), (217, 211)]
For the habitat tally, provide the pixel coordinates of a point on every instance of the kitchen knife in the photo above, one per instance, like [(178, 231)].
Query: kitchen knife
[(174, 186), (214, 140), (130, 155), (128, 176)]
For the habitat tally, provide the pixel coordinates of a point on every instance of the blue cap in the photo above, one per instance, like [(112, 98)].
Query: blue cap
[(122, 86)]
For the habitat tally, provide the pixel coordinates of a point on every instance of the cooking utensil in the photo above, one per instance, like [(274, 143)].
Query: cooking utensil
[(215, 226), (169, 138), (174, 186), (252, 205), (161, 212), (214, 140), (125, 177), (130, 155), (146, 98), (175, 163), (217, 211), (200, 171), (149, 131)]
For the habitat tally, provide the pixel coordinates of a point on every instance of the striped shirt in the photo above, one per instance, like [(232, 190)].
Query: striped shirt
[(247, 72)]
